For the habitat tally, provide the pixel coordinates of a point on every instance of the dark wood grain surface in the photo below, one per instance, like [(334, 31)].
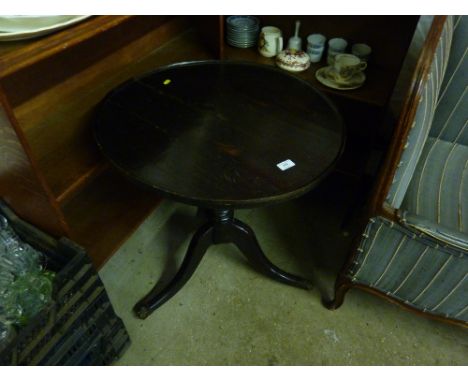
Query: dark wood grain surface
[(211, 133)]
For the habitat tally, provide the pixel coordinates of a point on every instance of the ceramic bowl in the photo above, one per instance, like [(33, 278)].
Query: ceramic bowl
[(293, 60)]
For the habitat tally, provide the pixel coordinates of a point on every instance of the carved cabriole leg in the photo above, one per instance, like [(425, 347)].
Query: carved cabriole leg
[(341, 287)]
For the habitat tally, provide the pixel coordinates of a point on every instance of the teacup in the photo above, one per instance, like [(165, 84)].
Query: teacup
[(270, 42), (346, 66), (362, 51), (336, 46)]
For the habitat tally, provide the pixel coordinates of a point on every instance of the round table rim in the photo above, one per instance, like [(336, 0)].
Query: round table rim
[(218, 203)]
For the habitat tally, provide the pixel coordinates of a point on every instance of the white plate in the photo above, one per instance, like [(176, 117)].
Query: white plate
[(237, 45), (255, 31), (242, 41), (23, 27), (242, 22), (355, 82), (243, 30), (242, 46)]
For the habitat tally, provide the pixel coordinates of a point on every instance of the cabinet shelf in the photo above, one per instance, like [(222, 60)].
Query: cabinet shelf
[(67, 154), (388, 49), (373, 92), (81, 182), (103, 214), (50, 87)]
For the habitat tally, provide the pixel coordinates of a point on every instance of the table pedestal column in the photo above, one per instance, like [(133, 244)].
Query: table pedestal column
[(221, 227)]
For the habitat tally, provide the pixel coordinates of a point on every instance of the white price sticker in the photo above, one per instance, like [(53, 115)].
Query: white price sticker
[(285, 165)]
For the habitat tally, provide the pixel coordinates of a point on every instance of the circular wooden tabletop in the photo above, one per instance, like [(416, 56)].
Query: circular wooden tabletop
[(221, 133)]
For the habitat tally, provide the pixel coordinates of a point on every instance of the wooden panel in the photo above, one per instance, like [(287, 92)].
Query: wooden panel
[(67, 151), (20, 186), (210, 29), (45, 63), (106, 212), (81, 181)]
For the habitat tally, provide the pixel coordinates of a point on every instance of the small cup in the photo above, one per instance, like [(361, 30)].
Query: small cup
[(363, 51), (270, 42), (315, 46), (345, 66), (336, 46)]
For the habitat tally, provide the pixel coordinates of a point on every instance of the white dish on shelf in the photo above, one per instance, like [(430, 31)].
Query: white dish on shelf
[(293, 60), (242, 22), (324, 78), (14, 28), (242, 31)]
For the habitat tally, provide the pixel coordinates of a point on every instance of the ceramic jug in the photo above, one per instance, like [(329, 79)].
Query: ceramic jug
[(270, 42)]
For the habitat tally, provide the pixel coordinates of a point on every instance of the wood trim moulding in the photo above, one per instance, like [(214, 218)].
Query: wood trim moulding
[(407, 115), (82, 182), (221, 23), (409, 308), (22, 185)]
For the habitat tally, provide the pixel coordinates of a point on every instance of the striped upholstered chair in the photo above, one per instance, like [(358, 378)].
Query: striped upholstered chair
[(414, 247)]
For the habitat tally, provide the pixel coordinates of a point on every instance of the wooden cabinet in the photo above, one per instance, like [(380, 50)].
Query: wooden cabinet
[(363, 109), (51, 172)]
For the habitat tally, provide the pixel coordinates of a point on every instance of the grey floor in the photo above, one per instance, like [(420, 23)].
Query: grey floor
[(227, 314)]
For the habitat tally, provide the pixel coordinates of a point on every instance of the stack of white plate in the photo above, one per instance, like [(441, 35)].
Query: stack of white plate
[(19, 27), (242, 31)]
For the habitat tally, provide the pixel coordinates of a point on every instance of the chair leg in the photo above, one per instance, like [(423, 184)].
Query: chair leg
[(341, 287)]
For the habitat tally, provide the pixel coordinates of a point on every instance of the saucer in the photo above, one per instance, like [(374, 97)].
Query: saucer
[(353, 83), (242, 23)]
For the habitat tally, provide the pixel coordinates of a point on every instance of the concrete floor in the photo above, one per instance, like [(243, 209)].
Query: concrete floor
[(227, 314)]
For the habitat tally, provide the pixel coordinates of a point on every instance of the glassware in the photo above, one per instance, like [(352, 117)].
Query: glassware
[(6, 278), (26, 297), (25, 288), (16, 256), (7, 333)]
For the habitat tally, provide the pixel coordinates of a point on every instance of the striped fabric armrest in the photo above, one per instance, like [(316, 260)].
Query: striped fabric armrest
[(422, 123), (456, 239)]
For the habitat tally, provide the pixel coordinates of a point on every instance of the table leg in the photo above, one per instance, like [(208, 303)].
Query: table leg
[(221, 228), (200, 242), (244, 238)]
